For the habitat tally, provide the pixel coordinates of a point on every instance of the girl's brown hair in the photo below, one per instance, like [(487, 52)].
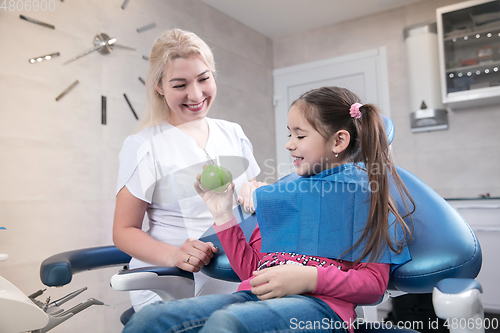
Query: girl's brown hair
[(327, 110)]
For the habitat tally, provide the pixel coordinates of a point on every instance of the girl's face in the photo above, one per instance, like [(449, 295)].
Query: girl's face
[(310, 151), (189, 89)]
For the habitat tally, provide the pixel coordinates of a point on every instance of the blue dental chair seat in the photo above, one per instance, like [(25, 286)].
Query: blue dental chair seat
[(443, 248)]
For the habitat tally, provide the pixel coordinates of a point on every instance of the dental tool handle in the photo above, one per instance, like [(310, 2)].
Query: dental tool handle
[(68, 297), (36, 293), (82, 306)]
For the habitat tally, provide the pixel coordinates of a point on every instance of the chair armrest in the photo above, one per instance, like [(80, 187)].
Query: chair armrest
[(220, 268), (58, 269), (168, 282)]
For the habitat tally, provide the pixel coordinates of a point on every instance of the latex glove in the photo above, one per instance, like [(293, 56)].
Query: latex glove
[(245, 198), (284, 280), (220, 205), (193, 254)]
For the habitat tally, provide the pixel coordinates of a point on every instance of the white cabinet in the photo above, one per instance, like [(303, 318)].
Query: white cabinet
[(483, 216), (469, 53)]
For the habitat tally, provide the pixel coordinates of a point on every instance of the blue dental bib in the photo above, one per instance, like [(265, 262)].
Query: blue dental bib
[(321, 215)]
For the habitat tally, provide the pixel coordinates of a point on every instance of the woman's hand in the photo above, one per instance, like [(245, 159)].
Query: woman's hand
[(220, 205), (193, 254), (284, 280), (246, 195)]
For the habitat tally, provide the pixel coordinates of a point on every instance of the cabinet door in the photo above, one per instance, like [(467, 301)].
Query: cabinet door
[(363, 73), (483, 216), (469, 47)]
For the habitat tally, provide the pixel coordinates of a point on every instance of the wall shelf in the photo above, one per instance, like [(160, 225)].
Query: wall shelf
[(469, 53)]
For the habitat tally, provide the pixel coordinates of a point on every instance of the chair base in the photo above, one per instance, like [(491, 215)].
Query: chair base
[(125, 317)]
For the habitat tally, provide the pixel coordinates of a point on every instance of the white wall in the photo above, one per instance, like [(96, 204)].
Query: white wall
[(459, 162), (58, 164)]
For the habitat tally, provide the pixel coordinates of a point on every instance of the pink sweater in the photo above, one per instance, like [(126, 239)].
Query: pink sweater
[(340, 284)]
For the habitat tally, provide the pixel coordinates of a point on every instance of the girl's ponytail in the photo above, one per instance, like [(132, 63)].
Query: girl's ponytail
[(374, 152)]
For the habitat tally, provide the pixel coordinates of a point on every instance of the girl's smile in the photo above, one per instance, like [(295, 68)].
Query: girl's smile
[(297, 160)]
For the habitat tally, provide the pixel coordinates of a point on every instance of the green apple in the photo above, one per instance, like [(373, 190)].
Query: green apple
[(216, 178)]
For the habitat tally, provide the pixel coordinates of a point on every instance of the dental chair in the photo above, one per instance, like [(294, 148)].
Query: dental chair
[(446, 257)]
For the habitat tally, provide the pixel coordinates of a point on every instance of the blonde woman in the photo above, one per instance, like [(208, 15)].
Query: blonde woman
[(160, 161)]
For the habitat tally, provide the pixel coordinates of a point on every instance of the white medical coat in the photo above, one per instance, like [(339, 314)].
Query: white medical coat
[(159, 165)]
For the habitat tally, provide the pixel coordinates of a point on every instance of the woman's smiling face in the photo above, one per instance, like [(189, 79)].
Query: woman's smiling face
[(189, 89)]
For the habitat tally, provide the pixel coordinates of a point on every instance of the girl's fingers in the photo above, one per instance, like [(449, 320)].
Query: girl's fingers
[(197, 187), (200, 189), (259, 279), (263, 291), (212, 247), (251, 206), (246, 195)]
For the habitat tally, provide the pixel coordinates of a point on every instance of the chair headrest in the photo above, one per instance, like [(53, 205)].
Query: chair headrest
[(389, 128)]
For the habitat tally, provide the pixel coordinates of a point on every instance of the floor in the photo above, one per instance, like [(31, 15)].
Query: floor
[(494, 321), (412, 317)]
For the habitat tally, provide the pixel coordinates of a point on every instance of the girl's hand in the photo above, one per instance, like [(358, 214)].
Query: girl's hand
[(245, 198), (193, 254), (220, 205), (284, 280)]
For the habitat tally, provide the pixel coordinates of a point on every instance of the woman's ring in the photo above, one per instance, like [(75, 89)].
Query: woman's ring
[(187, 259)]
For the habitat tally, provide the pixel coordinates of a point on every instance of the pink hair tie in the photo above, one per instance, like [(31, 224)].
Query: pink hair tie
[(354, 110)]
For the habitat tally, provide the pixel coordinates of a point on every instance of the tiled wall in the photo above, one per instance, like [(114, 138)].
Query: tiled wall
[(58, 164), (459, 162)]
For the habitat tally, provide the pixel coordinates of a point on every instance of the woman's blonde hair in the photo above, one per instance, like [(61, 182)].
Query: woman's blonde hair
[(172, 44)]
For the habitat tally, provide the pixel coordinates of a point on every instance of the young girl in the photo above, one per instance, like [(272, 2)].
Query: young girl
[(328, 237)]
